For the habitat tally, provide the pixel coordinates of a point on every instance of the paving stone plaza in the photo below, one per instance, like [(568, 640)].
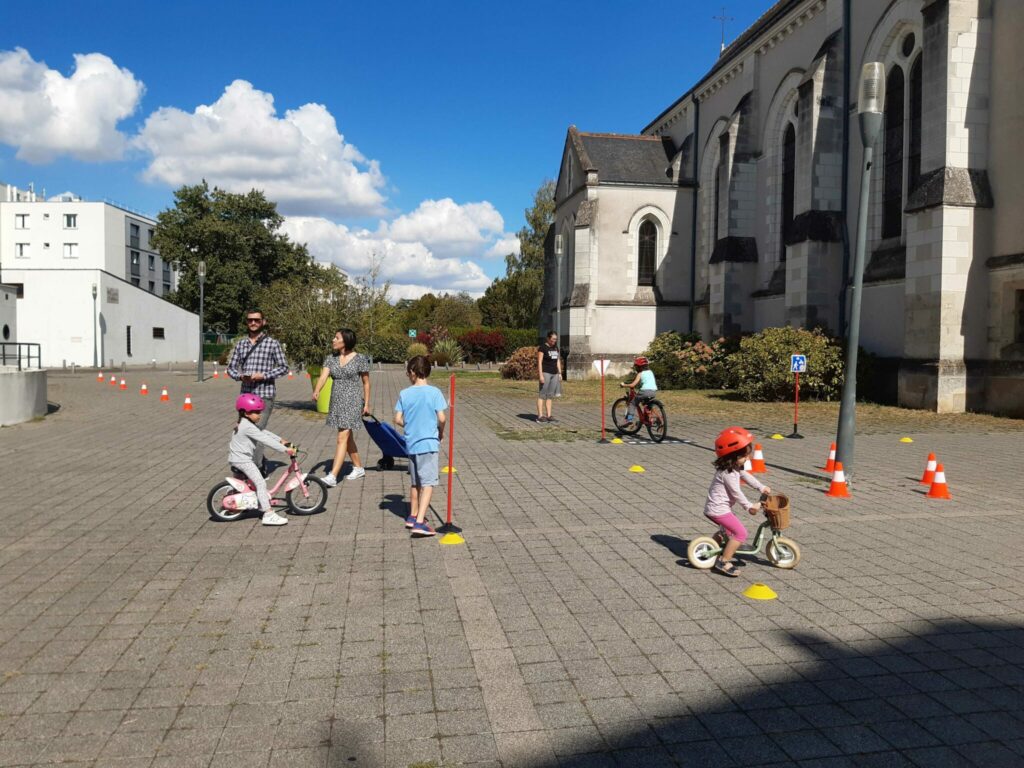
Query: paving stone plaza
[(568, 630)]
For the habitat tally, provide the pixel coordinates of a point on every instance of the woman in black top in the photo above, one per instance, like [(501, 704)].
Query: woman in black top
[(549, 374)]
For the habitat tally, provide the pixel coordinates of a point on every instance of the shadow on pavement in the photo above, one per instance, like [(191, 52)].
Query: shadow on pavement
[(396, 504)]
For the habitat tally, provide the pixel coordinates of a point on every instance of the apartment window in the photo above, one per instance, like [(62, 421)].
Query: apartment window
[(646, 251), (21, 250), (1018, 331), (158, 333), (70, 250), (152, 262), (135, 264), (167, 288), (892, 180), (152, 287), (135, 282), (151, 233), (21, 221), (70, 221), (128, 339), (167, 272), (134, 235)]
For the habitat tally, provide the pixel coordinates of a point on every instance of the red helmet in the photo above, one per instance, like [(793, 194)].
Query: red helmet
[(250, 403), (640, 361), (732, 439)]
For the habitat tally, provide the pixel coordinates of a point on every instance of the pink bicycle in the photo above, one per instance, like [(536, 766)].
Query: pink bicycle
[(232, 498)]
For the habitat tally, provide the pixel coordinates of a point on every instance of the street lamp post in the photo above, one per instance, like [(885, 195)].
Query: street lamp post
[(201, 272), (95, 331), (870, 107), (558, 286)]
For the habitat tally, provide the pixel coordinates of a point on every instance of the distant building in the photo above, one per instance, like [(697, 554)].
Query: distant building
[(56, 252), (727, 213)]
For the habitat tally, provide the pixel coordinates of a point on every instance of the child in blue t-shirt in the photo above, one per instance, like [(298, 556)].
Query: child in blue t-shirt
[(646, 386), (420, 413)]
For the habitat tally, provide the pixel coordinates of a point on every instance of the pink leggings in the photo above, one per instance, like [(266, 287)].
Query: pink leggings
[(731, 525)]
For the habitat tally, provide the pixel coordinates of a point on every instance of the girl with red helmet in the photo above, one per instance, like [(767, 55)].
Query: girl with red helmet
[(646, 386), (242, 450), (732, 446)]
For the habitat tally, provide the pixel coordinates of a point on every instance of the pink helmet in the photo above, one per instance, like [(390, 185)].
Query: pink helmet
[(249, 403)]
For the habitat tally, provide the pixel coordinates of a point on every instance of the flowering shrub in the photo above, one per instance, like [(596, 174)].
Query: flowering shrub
[(686, 362), (425, 339), (480, 345), (522, 365)]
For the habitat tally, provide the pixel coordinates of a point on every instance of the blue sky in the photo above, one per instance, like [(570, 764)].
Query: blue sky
[(439, 105)]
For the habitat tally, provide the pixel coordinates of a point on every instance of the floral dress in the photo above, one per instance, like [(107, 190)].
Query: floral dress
[(346, 410)]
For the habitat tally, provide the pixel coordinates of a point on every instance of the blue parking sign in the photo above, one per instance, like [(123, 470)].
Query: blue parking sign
[(797, 363)]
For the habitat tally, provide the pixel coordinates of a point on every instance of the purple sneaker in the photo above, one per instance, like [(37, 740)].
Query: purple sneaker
[(422, 529), (410, 521)]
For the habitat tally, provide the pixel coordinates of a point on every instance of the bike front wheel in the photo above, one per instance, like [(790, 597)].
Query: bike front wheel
[(657, 421), (215, 503), (782, 552), (308, 505), (702, 552), (620, 408)]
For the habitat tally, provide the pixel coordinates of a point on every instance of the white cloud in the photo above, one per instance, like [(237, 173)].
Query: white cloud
[(410, 266), (447, 227), (300, 160), (503, 247), (45, 114)]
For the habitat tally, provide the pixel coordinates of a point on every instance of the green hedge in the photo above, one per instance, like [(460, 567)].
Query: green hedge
[(387, 348)]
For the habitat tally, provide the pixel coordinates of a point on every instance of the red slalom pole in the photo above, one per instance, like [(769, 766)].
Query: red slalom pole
[(796, 408), (451, 445), (603, 367)]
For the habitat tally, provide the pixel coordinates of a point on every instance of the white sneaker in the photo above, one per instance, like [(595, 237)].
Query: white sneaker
[(330, 480), (355, 474), (272, 518)]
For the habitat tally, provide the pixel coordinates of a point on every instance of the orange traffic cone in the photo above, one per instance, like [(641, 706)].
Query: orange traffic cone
[(757, 465), (124, 384), (164, 397), (188, 403), (144, 390), (929, 470), (99, 377), (290, 376), (113, 381), (939, 489), (216, 374), (838, 489), (307, 374), (830, 465)]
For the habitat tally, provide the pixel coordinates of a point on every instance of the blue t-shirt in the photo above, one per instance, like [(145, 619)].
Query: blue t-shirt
[(647, 380), (419, 407)]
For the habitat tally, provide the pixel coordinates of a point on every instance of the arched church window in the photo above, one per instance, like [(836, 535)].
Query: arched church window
[(788, 188), (892, 184), (914, 147), (723, 154), (647, 248)]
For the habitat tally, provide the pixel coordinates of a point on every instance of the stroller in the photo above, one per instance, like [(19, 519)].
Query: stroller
[(388, 439)]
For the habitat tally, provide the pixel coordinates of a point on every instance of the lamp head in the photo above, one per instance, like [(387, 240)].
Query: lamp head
[(201, 271), (94, 290), (871, 95)]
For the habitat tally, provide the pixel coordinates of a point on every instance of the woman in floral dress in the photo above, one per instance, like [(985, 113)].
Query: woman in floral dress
[(350, 400)]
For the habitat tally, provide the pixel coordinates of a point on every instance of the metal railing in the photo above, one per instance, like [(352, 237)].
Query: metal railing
[(22, 351)]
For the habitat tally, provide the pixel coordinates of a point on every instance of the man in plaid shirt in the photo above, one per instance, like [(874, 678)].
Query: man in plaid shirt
[(256, 361)]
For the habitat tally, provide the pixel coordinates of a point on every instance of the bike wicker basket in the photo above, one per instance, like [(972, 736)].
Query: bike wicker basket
[(776, 508)]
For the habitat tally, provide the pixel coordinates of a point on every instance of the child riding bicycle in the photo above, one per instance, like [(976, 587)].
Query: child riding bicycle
[(644, 384), (242, 448), (732, 446)]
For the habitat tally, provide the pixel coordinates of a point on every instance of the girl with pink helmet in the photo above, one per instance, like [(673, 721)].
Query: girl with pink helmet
[(242, 449)]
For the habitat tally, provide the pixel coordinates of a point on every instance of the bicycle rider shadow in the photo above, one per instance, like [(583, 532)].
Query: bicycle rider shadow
[(678, 546)]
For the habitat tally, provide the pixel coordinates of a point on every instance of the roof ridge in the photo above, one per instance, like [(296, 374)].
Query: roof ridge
[(635, 136)]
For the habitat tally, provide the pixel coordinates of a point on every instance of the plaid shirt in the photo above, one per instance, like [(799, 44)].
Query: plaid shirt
[(268, 359)]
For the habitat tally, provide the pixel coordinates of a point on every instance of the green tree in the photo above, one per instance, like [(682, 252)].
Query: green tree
[(307, 312), (239, 238), (514, 301)]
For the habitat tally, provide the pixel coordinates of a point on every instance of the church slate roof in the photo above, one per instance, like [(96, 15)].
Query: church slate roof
[(629, 159)]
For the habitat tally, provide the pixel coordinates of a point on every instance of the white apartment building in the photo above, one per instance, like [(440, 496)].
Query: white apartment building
[(89, 284)]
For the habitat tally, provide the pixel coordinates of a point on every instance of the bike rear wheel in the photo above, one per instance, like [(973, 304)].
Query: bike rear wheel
[(215, 503), (620, 408), (657, 421), (308, 505)]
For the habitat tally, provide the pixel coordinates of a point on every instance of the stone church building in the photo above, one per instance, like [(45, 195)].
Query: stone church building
[(735, 208)]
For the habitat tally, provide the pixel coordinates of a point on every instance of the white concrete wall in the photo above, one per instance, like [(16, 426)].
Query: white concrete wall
[(628, 330), (22, 395), (882, 318), (8, 313), (68, 335)]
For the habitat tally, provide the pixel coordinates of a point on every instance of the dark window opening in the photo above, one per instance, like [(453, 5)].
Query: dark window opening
[(914, 150), (158, 333), (135, 263), (128, 339), (167, 288), (908, 44), (892, 184), (788, 188), (1018, 331), (648, 245), (723, 154), (152, 286), (19, 290)]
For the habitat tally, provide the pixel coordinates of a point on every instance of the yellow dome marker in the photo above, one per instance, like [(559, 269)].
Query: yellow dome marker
[(760, 592), (446, 469), (777, 436), (451, 538), (637, 468), (617, 440), (906, 440)]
